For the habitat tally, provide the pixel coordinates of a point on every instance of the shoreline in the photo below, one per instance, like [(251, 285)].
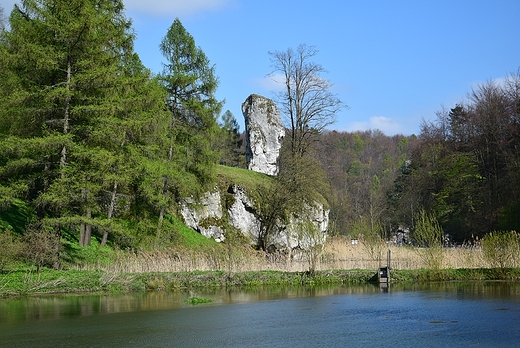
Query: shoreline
[(48, 281)]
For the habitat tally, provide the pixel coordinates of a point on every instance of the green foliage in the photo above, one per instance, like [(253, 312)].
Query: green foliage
[(188, 237), (197, 300), (10, 249), (466, 168), (502, 249), (427, 237), (16, 216), (250, 180), (88, 145), (230, 143), (89, 256), (190, 82)]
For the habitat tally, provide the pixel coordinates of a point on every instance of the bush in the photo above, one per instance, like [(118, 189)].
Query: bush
[(10, 248), (501, 249), (428, 239), (42, 248)]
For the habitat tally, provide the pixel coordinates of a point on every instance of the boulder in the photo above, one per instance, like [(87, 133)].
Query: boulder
[(264, 134)]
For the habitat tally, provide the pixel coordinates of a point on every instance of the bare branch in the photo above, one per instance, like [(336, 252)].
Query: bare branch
[(306, 102)]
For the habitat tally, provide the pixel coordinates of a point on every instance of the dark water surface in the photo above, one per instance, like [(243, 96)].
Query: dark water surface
[(480, 314)]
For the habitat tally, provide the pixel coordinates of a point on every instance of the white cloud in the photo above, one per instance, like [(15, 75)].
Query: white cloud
[(175, 7), (385, 124)]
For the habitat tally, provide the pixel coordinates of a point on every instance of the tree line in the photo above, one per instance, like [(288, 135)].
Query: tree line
[(462, 169)]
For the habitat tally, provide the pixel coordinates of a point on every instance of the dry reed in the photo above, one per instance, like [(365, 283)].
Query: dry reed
[(339, 253)]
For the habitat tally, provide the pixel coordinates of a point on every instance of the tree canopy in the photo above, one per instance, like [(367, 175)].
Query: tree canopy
[(89, 137)]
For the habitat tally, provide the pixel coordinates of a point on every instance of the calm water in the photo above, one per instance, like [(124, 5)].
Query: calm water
[(433, 315)]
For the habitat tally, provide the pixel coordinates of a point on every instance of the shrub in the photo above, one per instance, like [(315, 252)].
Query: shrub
[(501, 249), (10, 247), (42, 248), (428, 239)]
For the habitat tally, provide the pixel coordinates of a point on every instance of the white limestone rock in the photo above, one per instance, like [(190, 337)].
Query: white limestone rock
[(201, 216), (242, 214), (264, 134)]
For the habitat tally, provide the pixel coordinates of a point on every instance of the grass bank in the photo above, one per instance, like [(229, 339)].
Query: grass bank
[(48, 281)]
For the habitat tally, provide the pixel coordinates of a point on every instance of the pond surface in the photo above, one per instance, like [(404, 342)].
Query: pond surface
[(480, 314)]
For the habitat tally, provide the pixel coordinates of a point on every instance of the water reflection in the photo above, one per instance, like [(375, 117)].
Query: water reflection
[(68, 306), (438, 314)]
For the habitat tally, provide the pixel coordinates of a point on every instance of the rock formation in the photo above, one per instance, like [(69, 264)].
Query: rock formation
[(264, 134), (208, 215), (203, 215), (231, 206)]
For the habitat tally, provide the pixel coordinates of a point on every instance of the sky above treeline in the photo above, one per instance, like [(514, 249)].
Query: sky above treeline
[(394, 63)]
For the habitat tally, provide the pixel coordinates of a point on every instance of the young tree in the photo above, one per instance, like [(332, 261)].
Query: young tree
[(190, 82), (312, 240), (428, 237), (501, 248), (306, 99), (299, 184), (230, 141)]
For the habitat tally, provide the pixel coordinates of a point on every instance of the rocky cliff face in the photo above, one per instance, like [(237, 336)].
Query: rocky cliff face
[(204, 216), (264, 134), (208, 215)]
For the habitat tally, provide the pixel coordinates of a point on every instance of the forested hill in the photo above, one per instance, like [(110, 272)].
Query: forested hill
[(463, 168)]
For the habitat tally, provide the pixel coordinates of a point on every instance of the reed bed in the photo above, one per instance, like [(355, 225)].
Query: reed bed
[(339, 254)]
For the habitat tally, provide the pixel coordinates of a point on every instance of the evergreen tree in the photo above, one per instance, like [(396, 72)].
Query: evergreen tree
[(229, 142), (81, 115), (190, 82)]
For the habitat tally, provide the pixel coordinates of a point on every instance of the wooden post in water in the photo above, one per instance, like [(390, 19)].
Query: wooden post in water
[(388, 264), (384, 272)]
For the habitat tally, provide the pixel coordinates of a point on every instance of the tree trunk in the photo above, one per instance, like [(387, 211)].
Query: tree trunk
[(82, 234), (111, 209), (85, 230), (163, 209), (88, 228), (63, 159)]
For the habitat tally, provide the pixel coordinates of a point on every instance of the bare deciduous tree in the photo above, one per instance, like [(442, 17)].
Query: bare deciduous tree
[(306, 100)]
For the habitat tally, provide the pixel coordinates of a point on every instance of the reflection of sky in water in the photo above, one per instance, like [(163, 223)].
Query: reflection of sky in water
[(432, 315)]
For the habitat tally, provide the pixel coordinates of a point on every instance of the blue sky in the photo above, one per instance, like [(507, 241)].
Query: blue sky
[(394, 63)]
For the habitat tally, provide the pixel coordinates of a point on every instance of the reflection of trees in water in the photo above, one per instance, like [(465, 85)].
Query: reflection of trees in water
[(70, 306)]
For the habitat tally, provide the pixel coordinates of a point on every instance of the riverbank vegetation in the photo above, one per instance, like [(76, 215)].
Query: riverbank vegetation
[(102, 269)]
